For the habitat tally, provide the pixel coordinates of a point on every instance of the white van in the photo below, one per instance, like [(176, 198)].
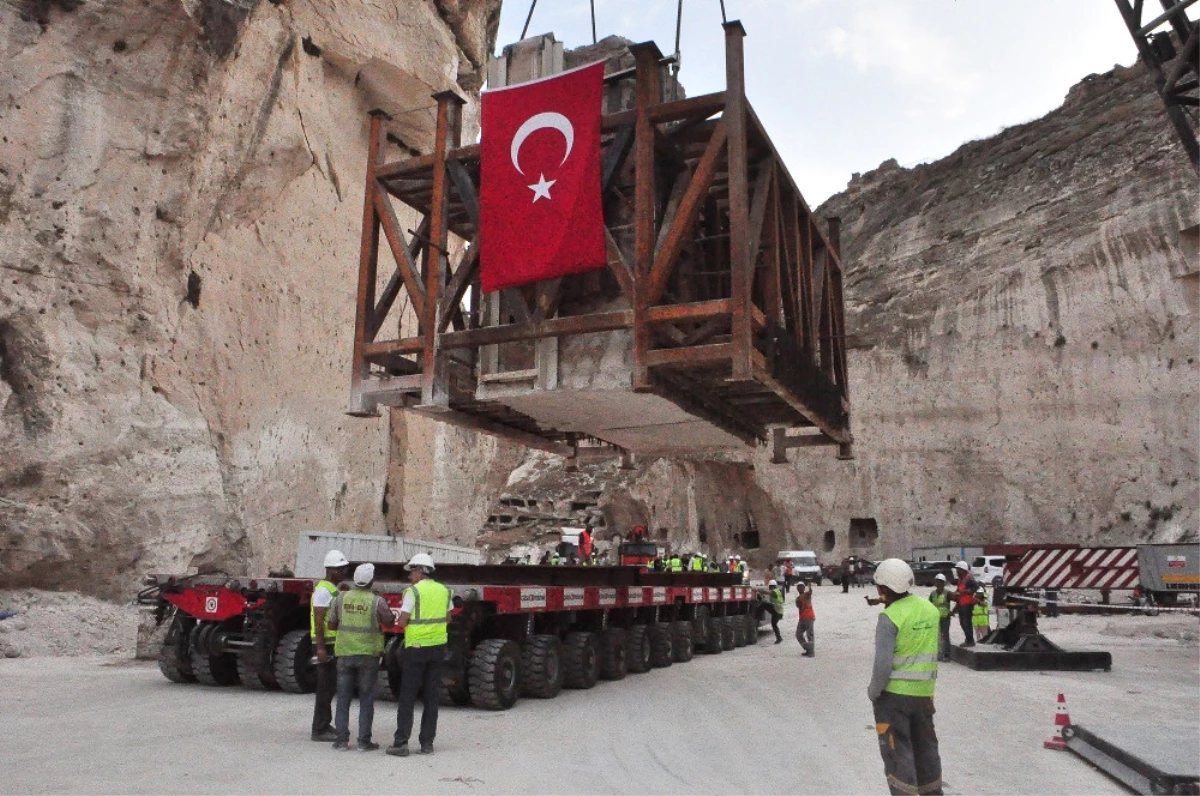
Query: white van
[(988, 570), (804, 565)]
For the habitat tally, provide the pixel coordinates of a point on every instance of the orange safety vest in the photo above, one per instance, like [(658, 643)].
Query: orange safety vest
[(965, 597)]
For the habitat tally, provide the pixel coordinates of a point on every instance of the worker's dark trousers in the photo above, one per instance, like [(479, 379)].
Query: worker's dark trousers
[(944, 639), (908, 743), (964, 621), (421, 674), (806, 636), (775, 625), (845, 583), (326, 688)]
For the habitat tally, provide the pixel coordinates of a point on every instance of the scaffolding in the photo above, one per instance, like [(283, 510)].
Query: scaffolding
[(721, 303)]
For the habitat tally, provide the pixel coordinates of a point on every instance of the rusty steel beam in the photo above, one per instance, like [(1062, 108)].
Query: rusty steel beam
[(368, 260), (700, 355), (740, 263), (392, 290), (649, 92), (405, 264), (553, 327)]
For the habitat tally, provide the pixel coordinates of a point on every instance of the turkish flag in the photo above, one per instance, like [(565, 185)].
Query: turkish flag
[(539, 183)]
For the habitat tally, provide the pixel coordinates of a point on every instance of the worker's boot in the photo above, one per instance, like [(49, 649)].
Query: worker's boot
[(325, 735), (426, 748), (397, 751)]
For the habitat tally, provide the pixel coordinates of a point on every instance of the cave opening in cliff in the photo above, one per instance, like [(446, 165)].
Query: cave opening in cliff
[(864, 531), (748, 540), (829, 542)]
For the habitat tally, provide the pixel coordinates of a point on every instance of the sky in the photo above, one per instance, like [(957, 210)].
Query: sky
[(843, 85)]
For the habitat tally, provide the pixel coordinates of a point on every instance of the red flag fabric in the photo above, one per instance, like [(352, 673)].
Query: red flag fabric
[(539, 184)]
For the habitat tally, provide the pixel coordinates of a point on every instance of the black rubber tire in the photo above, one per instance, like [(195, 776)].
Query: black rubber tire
[(699, 627), (174, 660), (541, 667), (293, 671), (725, 631), (250, 672), (739, 629), (637, 658), (581, 660), (215, 669), (456, 687), (751, 628), (661, 653), (614, 661), (682, 647), (494, 674), (712, 636)]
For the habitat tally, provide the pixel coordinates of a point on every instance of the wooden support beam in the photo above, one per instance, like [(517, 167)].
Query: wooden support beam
[(475, 423), (368, 262), (679, 228), (405, 345), (616, 264), (696, 311), (458, 285), (741, 266), (553, 327), (649, 93), (392, 289), (400, 252), (468, 194), (614, 157), (434, 391), (701, 355)]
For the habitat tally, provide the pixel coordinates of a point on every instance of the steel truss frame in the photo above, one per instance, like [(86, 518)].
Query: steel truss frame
[(730, 288)]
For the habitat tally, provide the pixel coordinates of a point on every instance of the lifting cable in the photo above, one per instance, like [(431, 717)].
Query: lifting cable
[(529, 16)]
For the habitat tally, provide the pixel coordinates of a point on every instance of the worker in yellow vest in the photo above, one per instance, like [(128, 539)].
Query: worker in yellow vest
[(322, 640), (902, 683), (424, 616), (980, 615), (697, 563), (940, 598), (358, 616), (742, 568), (675, 564)]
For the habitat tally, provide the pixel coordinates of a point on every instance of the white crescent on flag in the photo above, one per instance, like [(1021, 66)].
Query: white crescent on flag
[(540, 121)]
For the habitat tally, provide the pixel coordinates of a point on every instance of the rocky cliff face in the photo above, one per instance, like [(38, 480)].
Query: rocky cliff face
[(1024, 328), (180, 204)]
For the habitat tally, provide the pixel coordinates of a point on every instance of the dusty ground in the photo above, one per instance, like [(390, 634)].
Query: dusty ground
[(758, 720)]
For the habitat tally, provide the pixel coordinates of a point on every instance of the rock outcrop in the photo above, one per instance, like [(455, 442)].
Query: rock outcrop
[(180, 205)]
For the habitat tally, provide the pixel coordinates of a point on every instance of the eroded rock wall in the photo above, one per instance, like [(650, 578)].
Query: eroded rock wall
[(180, 210), (1023, 325)]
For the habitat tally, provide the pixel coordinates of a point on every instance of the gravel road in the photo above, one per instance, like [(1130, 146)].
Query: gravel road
[(756, 720)]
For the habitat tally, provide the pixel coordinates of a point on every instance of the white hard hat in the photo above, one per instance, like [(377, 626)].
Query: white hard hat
[(364, 574), (942, 578), (895, 574), (963, 565), (772, 583), (423, 560), (334, 558)]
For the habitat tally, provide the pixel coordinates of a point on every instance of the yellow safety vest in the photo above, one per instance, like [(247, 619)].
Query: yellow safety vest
[(914, 665), (777, 600), (431, 612), (330, 635), (942, 601), (676, 564), (358, 629), (979, 614)]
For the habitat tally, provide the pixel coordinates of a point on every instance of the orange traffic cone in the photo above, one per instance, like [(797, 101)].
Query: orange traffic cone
[(1061, 719)]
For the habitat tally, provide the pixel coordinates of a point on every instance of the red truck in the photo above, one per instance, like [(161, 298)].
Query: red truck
[(514, 631)]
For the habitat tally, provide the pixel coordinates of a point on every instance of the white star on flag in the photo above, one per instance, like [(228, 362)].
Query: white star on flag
[(541, 189)]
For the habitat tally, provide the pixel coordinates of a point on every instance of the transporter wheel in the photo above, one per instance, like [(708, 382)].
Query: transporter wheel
[(581, 660), (725, 631), (750, 625), (613, 659), (661, 652), (293, 671), (638, 642), (681, 641), (739, 629), (541, 667), (494, 674), (174, 660), (712, 636), (250, 672), (215, 669), (700, 626), (456, 688)]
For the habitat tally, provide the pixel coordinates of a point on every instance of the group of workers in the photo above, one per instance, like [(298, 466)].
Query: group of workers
[(698, 562), (911, 636), (348, 639), (969, 600)]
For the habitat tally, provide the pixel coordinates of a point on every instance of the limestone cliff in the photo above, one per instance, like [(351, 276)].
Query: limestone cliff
[(1023, 320), (180, 203)]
